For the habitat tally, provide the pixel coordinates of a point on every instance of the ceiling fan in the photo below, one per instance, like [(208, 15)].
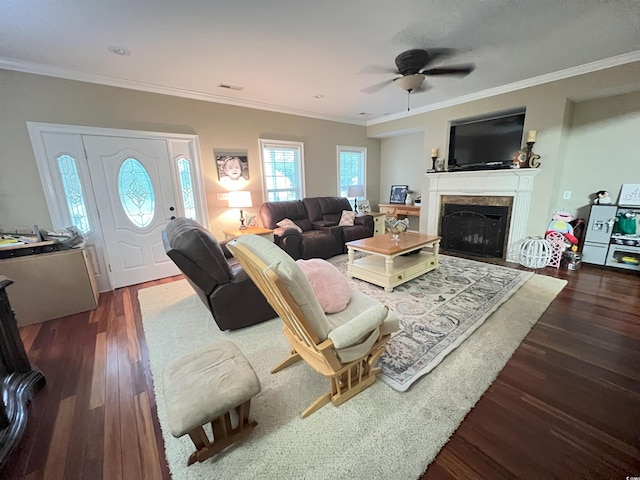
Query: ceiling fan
[(412, 65)]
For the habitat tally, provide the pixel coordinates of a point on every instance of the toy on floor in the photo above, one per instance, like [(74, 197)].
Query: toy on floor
[(560, 223)]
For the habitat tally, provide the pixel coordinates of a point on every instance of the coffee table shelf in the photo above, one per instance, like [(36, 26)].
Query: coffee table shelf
[(386, 264)]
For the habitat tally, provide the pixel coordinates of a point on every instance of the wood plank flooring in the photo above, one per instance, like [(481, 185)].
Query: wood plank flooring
[(567, 404)]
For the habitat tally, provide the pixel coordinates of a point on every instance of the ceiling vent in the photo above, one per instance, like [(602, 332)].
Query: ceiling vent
[(230, 87)]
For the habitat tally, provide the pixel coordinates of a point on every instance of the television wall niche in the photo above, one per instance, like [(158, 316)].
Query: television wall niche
[(485, 142)]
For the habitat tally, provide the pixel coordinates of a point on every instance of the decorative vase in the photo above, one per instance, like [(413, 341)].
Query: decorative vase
[(396, 227), (535, 252), (409, 199)]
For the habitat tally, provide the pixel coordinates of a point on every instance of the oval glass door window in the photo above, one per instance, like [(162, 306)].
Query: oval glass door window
[(136, 193)]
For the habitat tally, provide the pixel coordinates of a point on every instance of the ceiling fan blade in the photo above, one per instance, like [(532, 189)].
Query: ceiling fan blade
[(460, 70), (377, 69), (376, 87), (439, 54)]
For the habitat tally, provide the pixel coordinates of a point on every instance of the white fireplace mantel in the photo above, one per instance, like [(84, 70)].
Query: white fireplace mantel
[(516, 183)]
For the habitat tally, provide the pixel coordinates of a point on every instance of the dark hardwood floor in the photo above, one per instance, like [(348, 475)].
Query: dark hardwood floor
[(567, 404)]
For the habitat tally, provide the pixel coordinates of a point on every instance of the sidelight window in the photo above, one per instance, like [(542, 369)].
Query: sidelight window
[(186, 188), (74, 195)]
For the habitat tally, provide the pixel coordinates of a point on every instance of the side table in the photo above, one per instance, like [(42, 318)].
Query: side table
[(378, 223), (236, 232)]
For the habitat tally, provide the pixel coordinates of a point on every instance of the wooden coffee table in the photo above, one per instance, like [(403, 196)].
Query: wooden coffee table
[(386, 265)]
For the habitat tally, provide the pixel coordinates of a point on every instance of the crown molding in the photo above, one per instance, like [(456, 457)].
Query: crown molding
[(51, 71), (530, 82)]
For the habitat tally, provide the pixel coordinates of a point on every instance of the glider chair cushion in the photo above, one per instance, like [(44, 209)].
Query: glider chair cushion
[(220, 282), (342, 346)]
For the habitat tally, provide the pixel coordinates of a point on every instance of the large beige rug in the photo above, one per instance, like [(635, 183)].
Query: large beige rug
[(379, 434)]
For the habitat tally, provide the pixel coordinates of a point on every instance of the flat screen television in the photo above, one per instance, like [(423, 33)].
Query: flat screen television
[(485, 144)]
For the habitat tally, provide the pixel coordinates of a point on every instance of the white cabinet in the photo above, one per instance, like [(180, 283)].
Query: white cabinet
[(378, 223)]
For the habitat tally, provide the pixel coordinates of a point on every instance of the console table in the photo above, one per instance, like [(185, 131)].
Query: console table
[(19, 380), (399, 210)]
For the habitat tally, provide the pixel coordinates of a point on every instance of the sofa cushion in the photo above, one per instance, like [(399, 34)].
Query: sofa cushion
[(272, 212), (330, 286), (347, 219), (288, 223), (327, 209)]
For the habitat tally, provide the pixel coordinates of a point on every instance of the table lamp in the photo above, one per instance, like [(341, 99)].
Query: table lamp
[(240, 199), (355, 191)]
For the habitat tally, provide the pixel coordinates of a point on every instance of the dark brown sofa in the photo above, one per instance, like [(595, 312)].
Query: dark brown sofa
[(320, 238), (218, 279), (326, 212)]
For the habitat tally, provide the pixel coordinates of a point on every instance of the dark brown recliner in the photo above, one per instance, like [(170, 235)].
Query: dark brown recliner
[(326, 212), (218, 279), (312, 242)]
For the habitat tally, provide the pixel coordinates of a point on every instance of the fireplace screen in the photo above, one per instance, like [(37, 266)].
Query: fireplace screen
[(478, 230)]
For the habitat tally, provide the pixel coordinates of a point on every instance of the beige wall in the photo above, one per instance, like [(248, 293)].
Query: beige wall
[(602, 149), (550, 110), (402, 169), (35, 98)]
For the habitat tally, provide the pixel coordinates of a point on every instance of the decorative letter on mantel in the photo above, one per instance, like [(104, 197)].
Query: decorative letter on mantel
[(516, 183)]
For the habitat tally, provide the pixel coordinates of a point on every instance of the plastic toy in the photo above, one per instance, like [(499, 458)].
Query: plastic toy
[(560, 223), (602, 198)]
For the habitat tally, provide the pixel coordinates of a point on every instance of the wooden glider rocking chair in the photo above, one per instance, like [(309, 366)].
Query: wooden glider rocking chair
[(344, 346)]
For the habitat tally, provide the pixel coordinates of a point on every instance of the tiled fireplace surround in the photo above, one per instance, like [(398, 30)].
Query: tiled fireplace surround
[(515, 184)]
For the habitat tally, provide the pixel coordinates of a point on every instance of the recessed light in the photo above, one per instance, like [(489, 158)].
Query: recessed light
[(318, 96), (365, 114), (123, 52)]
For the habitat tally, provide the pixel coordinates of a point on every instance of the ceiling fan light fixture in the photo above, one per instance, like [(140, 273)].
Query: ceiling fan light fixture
[(410, 82)]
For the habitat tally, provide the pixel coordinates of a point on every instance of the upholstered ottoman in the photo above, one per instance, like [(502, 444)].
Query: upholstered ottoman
[(204, 387)]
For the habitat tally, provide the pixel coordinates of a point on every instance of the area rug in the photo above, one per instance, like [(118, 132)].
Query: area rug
[(380, 433), (437, 312)]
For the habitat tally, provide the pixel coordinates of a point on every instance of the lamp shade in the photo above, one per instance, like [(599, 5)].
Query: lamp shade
[(240, 199), (355, 191)]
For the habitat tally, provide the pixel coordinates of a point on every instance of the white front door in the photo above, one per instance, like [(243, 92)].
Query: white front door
[(135, 197)]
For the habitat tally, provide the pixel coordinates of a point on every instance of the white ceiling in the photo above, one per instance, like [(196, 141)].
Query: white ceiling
[(285, 52)]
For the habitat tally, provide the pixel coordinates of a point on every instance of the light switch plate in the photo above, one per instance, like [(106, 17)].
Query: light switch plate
[(566, 195)]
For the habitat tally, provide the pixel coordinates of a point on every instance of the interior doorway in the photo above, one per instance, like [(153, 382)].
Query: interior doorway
[(127, 186)]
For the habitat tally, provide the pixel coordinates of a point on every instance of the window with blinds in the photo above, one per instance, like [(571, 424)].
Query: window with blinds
[(283, 170), (351, 168)]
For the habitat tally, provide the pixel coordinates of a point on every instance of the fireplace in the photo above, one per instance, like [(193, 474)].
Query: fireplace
[(507, 188), (478, 230)]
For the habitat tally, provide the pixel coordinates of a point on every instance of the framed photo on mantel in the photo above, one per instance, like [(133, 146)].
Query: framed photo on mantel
[(398, 193)]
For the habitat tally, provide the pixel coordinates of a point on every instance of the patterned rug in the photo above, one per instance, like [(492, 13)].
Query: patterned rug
[(438, 311)]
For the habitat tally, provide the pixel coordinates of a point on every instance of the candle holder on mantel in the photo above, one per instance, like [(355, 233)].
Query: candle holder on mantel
[(433, 165), (525, 158)]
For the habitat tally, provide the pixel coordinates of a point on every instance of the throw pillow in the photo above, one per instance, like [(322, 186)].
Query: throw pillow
[(286, 223), (330, 287), (347, 219)]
